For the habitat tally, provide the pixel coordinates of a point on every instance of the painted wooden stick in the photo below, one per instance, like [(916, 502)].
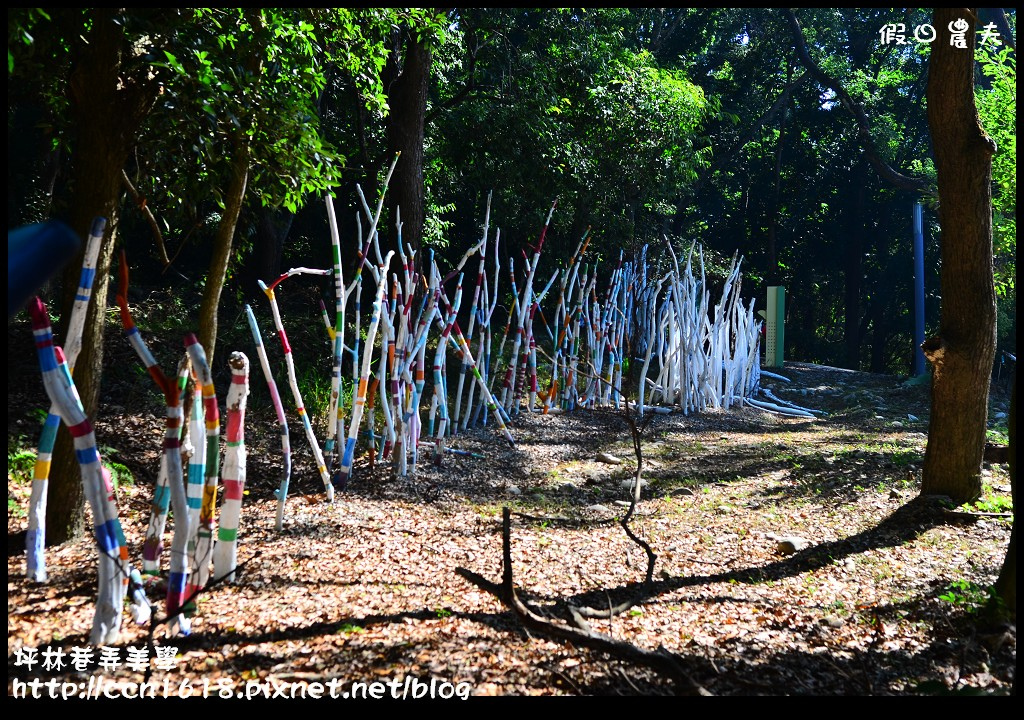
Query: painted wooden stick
[(207, 514), (152, 548), (336, 421), (296, 394), (282, 421), (197, 454), (225, 555), (464, 365), (96, 482), (360, 396), (439, 389), (170, 487), (35, 537), (183, 530)]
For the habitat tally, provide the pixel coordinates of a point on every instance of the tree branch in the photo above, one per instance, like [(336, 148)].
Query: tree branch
[(998, 16), (140, 202), (661, 660), (886, 171)]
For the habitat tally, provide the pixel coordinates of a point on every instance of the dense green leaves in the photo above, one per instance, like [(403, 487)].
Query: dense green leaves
[(702, 124), (997, 105)]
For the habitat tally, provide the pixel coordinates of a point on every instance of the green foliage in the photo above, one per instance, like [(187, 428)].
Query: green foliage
[(967, 595), (20, 464), (997, 106), (20, 29), (120, 474), (575, 108), (315, 388), (15, 508), (994, 504)]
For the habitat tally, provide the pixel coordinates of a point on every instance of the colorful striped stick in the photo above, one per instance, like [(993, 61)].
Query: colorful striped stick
[(360, 398), (183, 529), (282, 422), (35, 537), (387, 361), (195, 450), (293, 382), (439, 390), (200, 573), (513, 313), (170, 463), (225, 555), (459, 341), (464, 366), (336, 420), (114, 570), (527, 303), (486, 338)]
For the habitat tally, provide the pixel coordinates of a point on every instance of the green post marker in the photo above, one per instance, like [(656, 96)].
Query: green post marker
[(775, 327)]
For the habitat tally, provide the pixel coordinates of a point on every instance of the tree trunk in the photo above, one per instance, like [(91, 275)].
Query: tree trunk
[(408, 102), (963, 352), (222, 251), (264, 262), (108, 107)]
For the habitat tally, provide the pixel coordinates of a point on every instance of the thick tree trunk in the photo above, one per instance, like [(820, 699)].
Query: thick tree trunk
[(222, 243), (408, 102), (108, 107), (963, 352)]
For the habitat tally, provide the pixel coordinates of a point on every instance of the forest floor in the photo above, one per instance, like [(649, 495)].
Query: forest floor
[(877, 595)]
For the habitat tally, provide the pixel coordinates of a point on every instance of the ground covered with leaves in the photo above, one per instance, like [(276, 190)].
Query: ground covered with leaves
[(792, 556)]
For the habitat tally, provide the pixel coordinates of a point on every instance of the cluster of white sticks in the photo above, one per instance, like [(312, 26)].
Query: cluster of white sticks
[(692, 355)]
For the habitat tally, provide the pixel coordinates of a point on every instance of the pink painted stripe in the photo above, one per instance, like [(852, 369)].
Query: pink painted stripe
[(81, 429), (234, 427), (233, 489)]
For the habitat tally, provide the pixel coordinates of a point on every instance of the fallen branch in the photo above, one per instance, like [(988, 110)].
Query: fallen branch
[(571, 522), (661, 660)]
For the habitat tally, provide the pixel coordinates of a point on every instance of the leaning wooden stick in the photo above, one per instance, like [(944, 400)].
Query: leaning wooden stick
[(336, 422), (152, 548), (294, 383), (170, 487), (282, 421), (464, 366), (107, 533), (35, 554)]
